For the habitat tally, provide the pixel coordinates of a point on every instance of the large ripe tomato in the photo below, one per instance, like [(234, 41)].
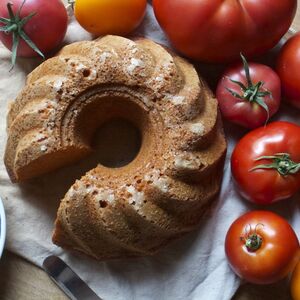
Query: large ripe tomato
[(218, 30), (102, 17), (265, 163), (46, 28), (261, 247), (249, 94), (295, 283), (288, 69)]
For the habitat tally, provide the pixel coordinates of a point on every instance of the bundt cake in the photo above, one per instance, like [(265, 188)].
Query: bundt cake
[(136, 209)]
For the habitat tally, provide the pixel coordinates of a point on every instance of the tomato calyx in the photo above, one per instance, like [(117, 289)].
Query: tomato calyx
[(14, 25), (251, 92), (253, 242), (281, 162)]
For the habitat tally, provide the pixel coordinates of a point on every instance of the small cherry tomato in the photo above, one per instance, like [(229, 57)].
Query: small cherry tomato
[(288, 69), (102, 17), (265, 163), (33, 27), (295, 283), (249, 94), (261, 247)]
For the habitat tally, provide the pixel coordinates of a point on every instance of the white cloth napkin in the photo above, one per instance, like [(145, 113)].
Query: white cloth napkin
[(193, 267)]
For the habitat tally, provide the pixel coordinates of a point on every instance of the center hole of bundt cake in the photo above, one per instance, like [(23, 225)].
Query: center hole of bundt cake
[(117, 142), (117, 127)]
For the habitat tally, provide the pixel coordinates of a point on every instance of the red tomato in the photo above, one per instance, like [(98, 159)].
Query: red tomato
[(46, 28), (295, 283), (265, 163), (288, 69), (253, 103), (261, 247), (218, 30)]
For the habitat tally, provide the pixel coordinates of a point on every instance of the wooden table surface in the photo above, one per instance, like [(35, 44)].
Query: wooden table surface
[(20, 280)]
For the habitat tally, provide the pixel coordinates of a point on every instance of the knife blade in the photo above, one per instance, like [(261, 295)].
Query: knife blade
[(67, 280)]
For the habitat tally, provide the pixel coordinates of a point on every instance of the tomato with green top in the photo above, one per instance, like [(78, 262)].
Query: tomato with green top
[(249, 94), (261, 247), (32, 27), (265, 163)]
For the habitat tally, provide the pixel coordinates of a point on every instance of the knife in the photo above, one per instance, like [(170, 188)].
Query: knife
[(67, 280)]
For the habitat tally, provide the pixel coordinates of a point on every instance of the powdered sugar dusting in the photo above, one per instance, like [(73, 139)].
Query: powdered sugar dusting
[(40, 106), (57, 85), (43, 148), (197, 128), (188, 161), (71, 193), (104, 56), (105, 195), (76, 190), (146, 100), (39, 137), (162, 184), (93, 75), (176, 100), (136, 197), (134, 50), (135, 63), (80, 67)]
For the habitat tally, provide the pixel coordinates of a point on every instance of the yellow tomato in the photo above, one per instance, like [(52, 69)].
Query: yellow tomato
[(102, 17), (295, 283)]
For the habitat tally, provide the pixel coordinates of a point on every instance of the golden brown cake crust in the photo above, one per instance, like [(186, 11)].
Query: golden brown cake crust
[(164, 191)]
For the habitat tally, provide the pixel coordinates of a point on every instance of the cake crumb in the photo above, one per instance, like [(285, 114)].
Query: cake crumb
[(176, 100), (162, 184), (105, 195), (135, 63), (197, 128), (57, 85), (104, 56), (136, 197), (44, 148)]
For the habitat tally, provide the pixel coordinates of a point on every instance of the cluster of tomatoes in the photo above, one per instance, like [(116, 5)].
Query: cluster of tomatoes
[(36, 27), (261, 246)]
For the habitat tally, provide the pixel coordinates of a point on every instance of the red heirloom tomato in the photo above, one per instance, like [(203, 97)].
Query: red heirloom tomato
[(249, 94), (295, 283), (288, 69), (265, 163), (218, 30), (261, 247), (32, 27)]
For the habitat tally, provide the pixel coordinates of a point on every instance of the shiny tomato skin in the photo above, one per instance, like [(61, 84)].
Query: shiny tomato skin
[(265, 186), (288, 69), (277, 256), (218, 30), (242, 112), (295, 283), (102, 17), (46, 29)]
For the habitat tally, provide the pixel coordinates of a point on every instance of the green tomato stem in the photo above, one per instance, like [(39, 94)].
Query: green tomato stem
[(281, 162), (252, 92), (14, 26)]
